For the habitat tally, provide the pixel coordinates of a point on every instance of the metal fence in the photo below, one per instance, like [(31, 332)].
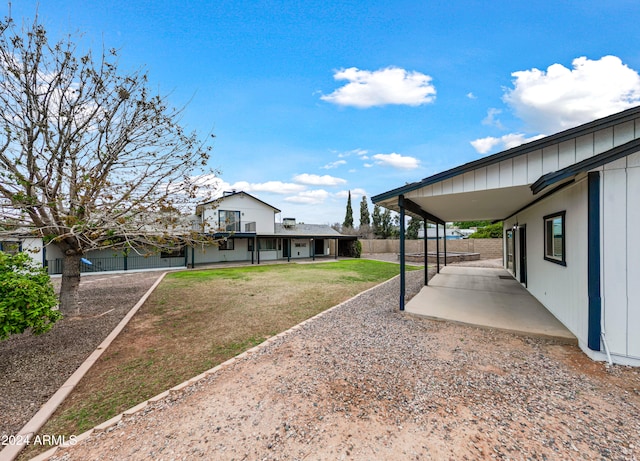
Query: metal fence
[(119, 263)]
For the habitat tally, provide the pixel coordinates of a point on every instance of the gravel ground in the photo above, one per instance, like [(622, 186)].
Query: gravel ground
[(364, 381), (34, 367)]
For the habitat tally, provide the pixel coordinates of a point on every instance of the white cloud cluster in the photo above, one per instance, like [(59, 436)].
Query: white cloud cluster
[(310, 197), (396, 161), (391, 85), (484, 145), (561, 98), (316, 180), (332, 165)]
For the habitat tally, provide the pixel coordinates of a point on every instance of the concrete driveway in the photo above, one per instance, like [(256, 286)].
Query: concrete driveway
[(486, 297)]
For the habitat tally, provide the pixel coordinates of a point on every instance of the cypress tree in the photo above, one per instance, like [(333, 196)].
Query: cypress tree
[(365, 220), (348, 218)]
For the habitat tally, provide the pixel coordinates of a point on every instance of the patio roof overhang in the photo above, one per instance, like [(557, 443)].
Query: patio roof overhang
[(492, 204)]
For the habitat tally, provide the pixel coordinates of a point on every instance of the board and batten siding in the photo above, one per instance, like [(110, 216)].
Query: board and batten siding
[(561, 289), (527, 168), (620, 265)]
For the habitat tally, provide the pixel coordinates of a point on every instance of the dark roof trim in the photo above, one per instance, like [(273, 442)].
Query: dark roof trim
[(239, 193), (572, 133), (586, 165)]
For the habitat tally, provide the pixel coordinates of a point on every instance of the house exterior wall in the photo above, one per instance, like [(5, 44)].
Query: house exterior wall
[(620, 262), (300, 248), (561, 289), (212, 254), (251, 211)]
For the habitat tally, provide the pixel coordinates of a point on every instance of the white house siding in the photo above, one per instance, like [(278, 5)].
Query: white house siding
[(251, 210), (527, 168), (561, 289), (300, 248), (212, 254), (620, 191)]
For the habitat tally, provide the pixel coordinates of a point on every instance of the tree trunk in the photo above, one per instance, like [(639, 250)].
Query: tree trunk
[(70, 283)]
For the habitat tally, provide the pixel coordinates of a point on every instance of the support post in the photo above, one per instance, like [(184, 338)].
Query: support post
[(313, 249), (445, 244), (426, 256), (402, 251), (437, 248)]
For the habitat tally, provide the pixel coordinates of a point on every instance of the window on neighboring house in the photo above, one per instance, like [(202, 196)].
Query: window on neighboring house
[(10, 247), (174, 253), (229, 221), (554, 238), (268, 244), (226, 244)]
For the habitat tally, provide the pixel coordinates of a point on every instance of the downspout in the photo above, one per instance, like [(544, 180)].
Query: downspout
[(402, 251), (606, 347)]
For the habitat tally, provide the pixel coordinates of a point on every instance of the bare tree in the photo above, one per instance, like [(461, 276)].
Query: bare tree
[(89, 157)]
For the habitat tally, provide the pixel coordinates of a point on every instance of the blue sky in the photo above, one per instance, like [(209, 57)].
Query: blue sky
[(311, 99)]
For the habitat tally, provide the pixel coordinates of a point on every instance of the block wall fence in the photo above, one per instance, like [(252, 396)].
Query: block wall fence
[(488, 248)]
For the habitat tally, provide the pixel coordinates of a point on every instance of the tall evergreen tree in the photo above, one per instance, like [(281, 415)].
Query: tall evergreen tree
[(348, 218), (376, 218), (365, 219), (413, 228), (385, 224)]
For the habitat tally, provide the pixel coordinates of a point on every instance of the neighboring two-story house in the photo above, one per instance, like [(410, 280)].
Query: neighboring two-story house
[(248, 231)]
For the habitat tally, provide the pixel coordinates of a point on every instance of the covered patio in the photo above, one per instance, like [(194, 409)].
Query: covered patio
[(486, 297)]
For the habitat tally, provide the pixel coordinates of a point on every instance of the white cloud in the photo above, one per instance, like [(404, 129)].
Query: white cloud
[(391, 85), (358, 152), (397, 161), (484, 145), (316, 180), (561, 98), (335, 164), (491, 118), (311, 197), (355, 194), (274, 187), (367, 165), (471, 96)]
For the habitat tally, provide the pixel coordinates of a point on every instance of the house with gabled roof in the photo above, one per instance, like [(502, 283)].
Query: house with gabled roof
[(247, 230), (569, 207)]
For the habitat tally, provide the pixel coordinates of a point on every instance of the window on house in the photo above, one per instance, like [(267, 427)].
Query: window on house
[(226, 244), (173, 253), (10, 247), (554, 238), (268, 244), (229, 221)]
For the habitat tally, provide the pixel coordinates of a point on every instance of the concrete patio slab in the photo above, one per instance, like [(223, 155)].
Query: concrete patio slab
[(486, 297)]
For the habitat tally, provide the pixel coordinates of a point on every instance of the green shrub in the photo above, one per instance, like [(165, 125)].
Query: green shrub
[(492, 231), (27, 297), (356, 249)]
